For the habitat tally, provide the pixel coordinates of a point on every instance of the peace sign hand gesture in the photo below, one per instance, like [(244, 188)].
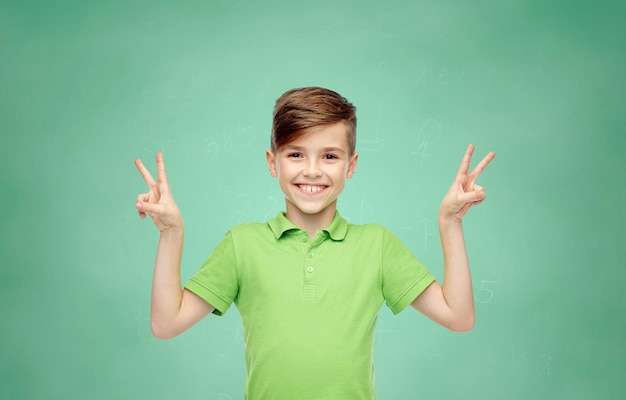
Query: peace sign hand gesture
[(464, 192), (158, 203)]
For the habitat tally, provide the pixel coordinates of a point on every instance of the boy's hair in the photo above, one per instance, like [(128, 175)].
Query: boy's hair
[(303, 108)]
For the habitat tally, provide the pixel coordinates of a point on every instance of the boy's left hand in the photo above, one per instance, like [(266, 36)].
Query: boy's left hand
[(464, 192)]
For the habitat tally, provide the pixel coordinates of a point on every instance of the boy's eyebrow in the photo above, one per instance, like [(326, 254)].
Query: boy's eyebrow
[(336, 149), (325, 149)]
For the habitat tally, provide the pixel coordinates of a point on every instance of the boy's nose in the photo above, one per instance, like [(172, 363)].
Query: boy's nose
[(312, 170)]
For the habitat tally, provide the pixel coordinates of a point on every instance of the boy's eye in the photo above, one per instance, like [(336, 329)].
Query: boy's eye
[(294, 155), (330, 157)]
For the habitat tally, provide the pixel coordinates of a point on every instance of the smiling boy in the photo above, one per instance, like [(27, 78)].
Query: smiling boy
[(312, 170), (308, 284)]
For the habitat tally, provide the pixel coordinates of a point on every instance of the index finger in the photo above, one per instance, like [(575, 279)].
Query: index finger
[(147, 177), (478, 169)]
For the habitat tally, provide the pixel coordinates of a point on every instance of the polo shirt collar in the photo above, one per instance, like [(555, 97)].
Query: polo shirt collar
[(336, 230)]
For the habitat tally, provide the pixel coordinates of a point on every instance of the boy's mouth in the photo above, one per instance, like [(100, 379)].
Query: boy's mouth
[(311, 188)]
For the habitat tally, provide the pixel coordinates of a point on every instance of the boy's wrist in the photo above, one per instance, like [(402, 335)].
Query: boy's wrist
[(446, 220), (173, 232)]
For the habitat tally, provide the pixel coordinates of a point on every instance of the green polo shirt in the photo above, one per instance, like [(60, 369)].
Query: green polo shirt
[(309, 308)]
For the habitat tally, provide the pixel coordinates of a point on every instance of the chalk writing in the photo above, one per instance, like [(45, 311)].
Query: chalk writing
[(373, 144), (383, 344), (340, 22), (430, 231), (235, 334), (212, 150), (442, 76), (541, 364), (242, 203), (427, 345), (431, 29), (379, 66), (366, 211), (271, 208), (385, 24), (138, 324), (428, 133), (547, 359), (484, 294)]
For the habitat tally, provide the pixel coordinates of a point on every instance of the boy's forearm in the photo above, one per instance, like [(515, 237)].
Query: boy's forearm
[(166, 283), (457, 282)]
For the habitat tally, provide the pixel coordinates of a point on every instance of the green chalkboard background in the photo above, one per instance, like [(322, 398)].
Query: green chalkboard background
[(87, 87)]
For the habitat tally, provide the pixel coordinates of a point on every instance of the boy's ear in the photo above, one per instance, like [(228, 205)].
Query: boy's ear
[(271, 162), (352, 165)]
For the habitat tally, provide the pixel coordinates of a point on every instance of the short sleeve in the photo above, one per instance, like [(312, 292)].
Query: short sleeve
[(216, 282), (403, 276)]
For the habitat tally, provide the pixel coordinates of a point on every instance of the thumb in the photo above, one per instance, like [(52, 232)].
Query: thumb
[(149, 208), (474, 196)]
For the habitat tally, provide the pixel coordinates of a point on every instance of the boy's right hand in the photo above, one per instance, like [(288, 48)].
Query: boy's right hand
[(158, 203)]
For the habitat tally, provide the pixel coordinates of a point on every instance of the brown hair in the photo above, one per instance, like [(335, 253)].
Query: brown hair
[(303, 108)]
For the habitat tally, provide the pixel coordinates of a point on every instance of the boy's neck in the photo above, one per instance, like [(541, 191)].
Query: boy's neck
[(311, 223)]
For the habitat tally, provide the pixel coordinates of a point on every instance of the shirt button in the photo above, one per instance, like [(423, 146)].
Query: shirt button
[(310, 255), (309, 269), (303, 239)]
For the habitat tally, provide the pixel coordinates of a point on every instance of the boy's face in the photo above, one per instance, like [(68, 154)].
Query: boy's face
[(312, 171)]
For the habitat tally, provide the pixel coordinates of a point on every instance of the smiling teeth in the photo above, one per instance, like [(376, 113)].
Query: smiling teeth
[(311, 189)]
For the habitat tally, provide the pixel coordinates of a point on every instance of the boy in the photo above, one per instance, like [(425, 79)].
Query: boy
[(308, 285)]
